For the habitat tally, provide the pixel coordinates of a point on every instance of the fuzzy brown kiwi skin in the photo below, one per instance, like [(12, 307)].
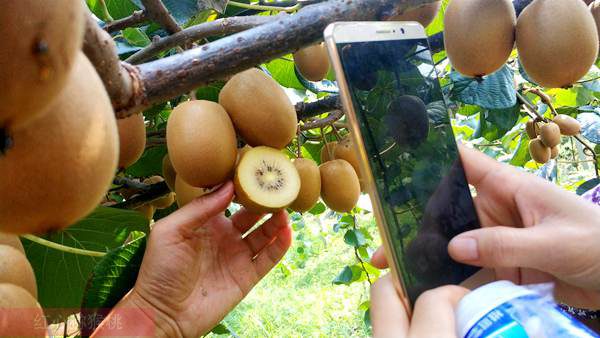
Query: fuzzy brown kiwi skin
[(533, 129), (310, 185), (539, 152), (12, 241), (15, 269), (568, 125), (15, 297), (423, 14), (554, 152), (340, 188), (132, 139), (168, 172), (312, 62), (550, 134)]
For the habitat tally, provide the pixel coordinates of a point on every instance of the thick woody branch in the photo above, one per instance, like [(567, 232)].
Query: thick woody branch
[(310, 109), (185, 37), (156, 11), (330, 119), (172, 76), (100, 49), (135, 19)]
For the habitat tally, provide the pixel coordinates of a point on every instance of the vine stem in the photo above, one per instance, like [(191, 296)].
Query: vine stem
[(362, 263), (265, 7), (63, 248)]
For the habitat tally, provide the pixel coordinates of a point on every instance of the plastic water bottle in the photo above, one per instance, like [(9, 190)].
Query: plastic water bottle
[(503, 309)]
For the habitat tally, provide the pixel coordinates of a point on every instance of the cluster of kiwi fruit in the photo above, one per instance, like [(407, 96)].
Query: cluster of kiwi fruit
[(557, 40), (60, 143), (22, 316), (545, 137)]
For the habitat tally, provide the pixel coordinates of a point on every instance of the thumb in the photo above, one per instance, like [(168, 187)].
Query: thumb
[(501, 247)]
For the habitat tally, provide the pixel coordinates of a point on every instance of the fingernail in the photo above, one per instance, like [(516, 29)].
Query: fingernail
[(464, 249)]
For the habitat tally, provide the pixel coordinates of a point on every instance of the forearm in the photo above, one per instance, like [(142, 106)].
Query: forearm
[(134, 317)]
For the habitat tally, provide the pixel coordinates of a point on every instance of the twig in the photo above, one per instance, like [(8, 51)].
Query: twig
[(130, 183), (306, 110), (135, 19), (154, 192), (362, 263), (259, 7), (156, 11), (64, 248), (213, 28), (332, 117)]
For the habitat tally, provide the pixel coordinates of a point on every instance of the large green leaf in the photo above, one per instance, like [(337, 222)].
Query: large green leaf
[(495, 91), (283, 71), (149, 164), (62, 276), (117, 8), (111, 280)]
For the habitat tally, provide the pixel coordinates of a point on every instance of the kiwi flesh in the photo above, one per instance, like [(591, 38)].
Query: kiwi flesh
[(557, 41), (423, 14), (12, 241), (407, 121), (533, 129), (539, 152), (15, 269), (328, 151), (312, 62), (168, 172), (185, 193), (163, 202), (310, 185), (132, 139), (266, 181), (62, 163), (568, 125), (479, 35), (550, 134), (22, 316), (40, 43), (261, 111), (202, 143), (340, 188)]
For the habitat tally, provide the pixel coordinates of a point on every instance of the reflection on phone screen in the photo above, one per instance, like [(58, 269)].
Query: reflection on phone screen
[(413, 155)]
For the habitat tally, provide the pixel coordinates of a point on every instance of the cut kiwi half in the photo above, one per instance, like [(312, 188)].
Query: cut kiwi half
[(266, 181)]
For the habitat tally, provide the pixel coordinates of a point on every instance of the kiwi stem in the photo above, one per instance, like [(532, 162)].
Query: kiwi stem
[(335, 132), (265, 7), (329, 150), (362, 263), (298, 136), (63, 248)]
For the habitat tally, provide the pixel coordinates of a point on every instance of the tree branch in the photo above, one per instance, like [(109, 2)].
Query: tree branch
[(213, 28), (135, 19), (311, 109), (117, 77), (154, 192), (156, 11), (130, 183), (330, 119)]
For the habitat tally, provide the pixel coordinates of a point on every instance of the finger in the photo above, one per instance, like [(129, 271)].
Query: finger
[(378, 259), (267, 232), (273, 252), (244, 220), (477, 165), (388, 315), (502, 247), (433, 315), (201, 209)]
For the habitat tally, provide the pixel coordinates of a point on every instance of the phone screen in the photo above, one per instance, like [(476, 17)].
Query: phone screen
[(413, 155)]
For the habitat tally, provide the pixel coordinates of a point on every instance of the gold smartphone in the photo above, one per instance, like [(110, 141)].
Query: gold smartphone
[(401, 126)]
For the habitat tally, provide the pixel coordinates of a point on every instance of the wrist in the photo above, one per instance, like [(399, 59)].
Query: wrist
[(133, 316)]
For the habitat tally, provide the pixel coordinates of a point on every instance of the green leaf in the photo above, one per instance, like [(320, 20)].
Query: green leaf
[(347, 276), (117, 8), (149, 164), (136, 37), (282, 70), (61, 276), (495, 91), (318, 209), (111, 280), (354, 238), (220, 329), (521, 154), (210, 92)]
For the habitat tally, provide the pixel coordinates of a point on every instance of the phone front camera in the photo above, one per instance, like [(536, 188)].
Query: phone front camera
[(402, 30)]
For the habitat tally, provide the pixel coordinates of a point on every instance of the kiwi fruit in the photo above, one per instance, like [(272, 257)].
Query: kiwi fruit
[(62, 163), (312, 62), (40, 42), (328, 151), (557, 41), (185, 193), (12, 241), (533, 129), (15, 269), (266, 181), (168, 172), (163, 202), (310, 185), (550, 134), (147, 210), (261, 111), (340, 188), (345, 151), (22, 316), (479, 35), (554, 152), (538, 151), (595, 9), (202, 143), (568, 125), (407, 121), (423, 14), (132, 139)]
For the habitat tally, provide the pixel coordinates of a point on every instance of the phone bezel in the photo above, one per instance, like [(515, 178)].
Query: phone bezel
[(347, 32)]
